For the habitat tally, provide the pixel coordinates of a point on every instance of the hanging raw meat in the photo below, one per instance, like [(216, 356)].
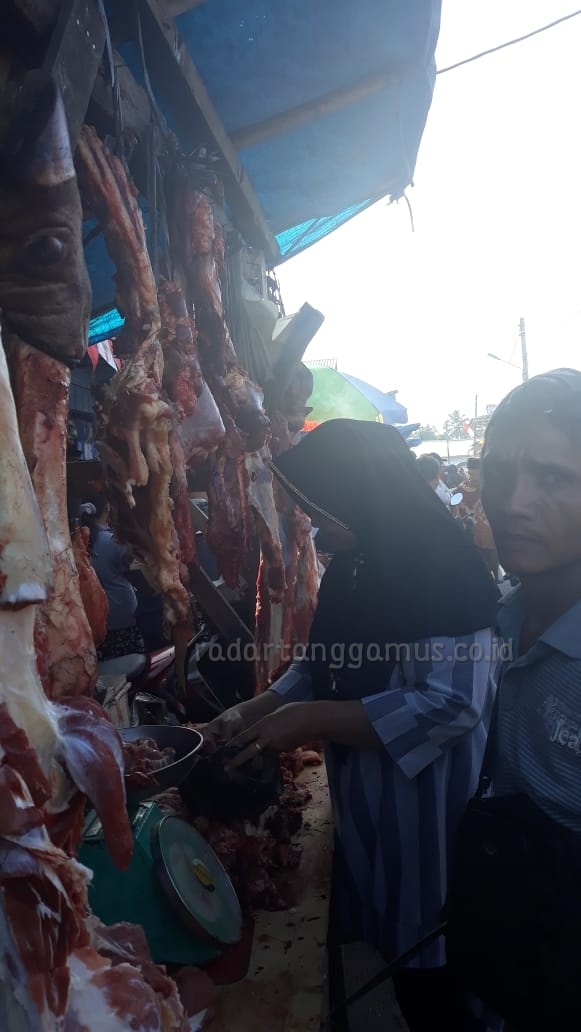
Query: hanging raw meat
[(25, 563), (92, 595), (240, 402), (200, 427), (271, 582), (182, 374), (135, 420), (45, 295), (229, 518), (53, 754), (49, 754), (64, 638), (202, 432), (183, 384), (203, 256)]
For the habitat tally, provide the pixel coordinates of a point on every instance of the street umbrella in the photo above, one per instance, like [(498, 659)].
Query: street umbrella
[(408, 431), (337, 395)]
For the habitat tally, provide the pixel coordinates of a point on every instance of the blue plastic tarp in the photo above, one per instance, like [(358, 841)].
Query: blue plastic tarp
[(261, 58), (258, 59)]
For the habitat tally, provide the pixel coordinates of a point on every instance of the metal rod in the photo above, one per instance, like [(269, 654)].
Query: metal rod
[(386, 973), (525, 356), (312, 109)]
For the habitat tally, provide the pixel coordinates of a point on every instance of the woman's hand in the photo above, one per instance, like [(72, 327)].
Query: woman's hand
[(291, 726), (222, 729), (232, 722), (286, 729)]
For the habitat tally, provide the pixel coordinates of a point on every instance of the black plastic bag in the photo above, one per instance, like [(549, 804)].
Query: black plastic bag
[(241, 794)]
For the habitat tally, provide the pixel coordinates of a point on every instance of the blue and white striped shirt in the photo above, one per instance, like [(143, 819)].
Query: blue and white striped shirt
[(397, 809), (538, 748)]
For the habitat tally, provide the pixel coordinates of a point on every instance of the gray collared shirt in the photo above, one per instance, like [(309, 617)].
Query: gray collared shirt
[(538, 750)]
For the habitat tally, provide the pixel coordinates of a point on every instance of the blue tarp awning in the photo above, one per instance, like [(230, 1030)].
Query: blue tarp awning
[(259, 59)]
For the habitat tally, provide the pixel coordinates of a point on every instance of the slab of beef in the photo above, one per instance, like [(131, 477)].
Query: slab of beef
[(46, 297), (45, 294), (53, 753), (183, 384), (64, 637), (239, 401), (135, 419), (92, 594)]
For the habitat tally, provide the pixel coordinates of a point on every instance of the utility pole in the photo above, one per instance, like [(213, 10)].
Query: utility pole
[(525, 357)]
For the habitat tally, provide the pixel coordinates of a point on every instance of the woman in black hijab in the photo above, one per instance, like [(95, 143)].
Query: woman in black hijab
[(396, 682)]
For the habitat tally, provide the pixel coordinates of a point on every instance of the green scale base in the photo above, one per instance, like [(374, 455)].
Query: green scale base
[(136, 895)]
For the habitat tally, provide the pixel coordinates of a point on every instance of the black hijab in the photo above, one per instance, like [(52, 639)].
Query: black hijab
[(413, 573)]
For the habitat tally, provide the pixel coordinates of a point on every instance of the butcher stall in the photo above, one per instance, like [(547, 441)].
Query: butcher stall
[(158, 161)]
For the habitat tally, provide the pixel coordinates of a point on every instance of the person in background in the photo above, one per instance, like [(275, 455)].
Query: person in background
[(452, 478), (428, 466), (470, 487), (473, 509), (441, 489), (111, 563), (404, 714), (149, 613)]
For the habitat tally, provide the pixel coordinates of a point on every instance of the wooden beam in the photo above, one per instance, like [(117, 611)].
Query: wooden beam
[(40, 15), (176, 79), (176, 7), (216, 609), (312, 109), (135, 103), (73, 57)]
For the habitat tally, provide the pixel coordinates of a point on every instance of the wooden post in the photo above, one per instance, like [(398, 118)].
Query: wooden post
[(73, 58)]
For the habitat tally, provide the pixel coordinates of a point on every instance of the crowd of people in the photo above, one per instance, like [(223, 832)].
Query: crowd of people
[(459, 491)]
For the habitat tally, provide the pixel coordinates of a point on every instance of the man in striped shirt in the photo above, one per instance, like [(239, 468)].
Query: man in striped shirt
[(532, 495)]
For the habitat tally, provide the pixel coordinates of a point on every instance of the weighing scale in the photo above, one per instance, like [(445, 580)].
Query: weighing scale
[(175, 888)]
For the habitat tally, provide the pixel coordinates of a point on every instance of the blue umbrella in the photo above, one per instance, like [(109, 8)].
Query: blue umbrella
[(338, 395)]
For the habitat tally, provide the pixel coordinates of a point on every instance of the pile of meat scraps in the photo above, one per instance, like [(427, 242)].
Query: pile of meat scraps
[(142, 759), (256, 856)]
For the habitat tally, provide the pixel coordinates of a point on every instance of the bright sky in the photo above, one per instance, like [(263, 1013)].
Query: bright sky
[(497, 211)]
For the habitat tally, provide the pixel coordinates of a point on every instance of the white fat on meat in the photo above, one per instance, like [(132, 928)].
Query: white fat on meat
[(21, 691), (25, 565), (104, 998)]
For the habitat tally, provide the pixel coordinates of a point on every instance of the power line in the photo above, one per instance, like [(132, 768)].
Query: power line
[(511, 43)]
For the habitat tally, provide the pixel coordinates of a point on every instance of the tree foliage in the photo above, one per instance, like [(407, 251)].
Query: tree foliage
[(454, 426), (429, 433)]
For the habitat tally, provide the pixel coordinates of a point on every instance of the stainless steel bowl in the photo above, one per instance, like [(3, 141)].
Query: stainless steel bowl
[(185, 740)]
